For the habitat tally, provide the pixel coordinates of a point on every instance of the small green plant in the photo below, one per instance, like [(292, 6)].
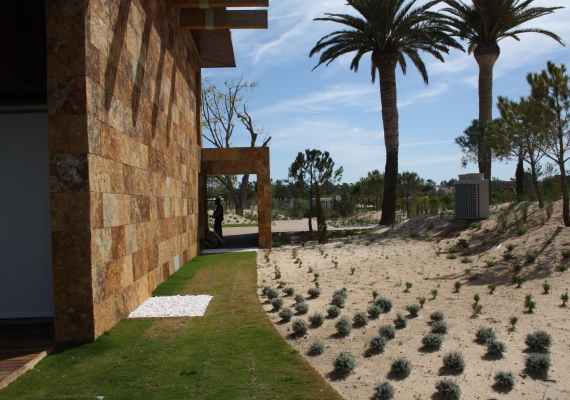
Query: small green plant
[(466, 260), (383, 391), (413, 309), (505, 379), (343, 326), (317, 319), (485, 334), (546, 287), (451, 256), (565, 253), (434, 293), (352, 270), (286, 314), (513, 321), (300, 327), (519, 280), (277, 272), (344, 363), (317, 285), (333, 311), (437, 316), (384, 303), (299, 298), (476, 298), (271, 293), (408, 286), (401, 367), (502, 219), (463, 243), (475, 225), (454, 361), (522, 230), (491, 288), (281, 284), (317, 348), (338, 300), (537, 362), (432, 340), (277, 303), (477, 309), (507, 255), (264, 290), (561, 267), (374, 294), (529, 303), (495, 347), (360, 319), (439, 327), (538, 340), (490, 263), (517, 268), (301, 308), (422, 301), (289, 291), (564, 298), (400, 321), (457, 285), (314, 292), (511, 247), (316, 275), (448, 389), (374, 311), (387, 331), (377, 343), (530, 257)]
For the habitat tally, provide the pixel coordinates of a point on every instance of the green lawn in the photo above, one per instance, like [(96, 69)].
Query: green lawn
[(233, 352)]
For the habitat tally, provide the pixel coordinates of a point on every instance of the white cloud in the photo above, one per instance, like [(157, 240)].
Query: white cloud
[(429, 93), (331, 98)]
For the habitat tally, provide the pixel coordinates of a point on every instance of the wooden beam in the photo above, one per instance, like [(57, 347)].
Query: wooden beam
[(218, 3), (223, 19)]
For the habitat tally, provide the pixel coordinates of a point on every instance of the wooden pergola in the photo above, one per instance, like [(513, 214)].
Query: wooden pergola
[(209, 22)]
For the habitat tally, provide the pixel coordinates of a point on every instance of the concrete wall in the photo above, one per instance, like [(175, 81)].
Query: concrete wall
[(124, 156), (26, 287)]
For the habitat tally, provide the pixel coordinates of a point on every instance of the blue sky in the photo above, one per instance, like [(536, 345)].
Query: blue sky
[(336, 110)]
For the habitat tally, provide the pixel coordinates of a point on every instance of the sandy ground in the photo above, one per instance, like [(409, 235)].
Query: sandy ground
[(417, 252)]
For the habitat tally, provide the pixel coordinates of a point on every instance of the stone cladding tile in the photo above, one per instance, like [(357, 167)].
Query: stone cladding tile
[(118, 246), (66, 95), (71, 249), (101, 246), (70, 56), (75, 324), (65, 19), (72, 288)]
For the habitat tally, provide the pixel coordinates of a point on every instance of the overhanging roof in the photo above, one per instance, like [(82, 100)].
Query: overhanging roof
[(210, 22)]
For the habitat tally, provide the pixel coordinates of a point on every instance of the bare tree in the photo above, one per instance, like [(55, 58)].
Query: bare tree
[(222, 108)]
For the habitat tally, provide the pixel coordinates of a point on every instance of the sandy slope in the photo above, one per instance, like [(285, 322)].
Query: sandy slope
[(417, 252)]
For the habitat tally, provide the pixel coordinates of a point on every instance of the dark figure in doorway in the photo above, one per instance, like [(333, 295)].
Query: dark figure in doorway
[(218, 217)]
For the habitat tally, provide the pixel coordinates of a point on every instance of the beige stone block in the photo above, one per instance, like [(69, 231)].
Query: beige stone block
[(99, 174), (99, 34), (116, 177), (96, 211), (130, 238), (101, 246), (105, 315), (111, 209)]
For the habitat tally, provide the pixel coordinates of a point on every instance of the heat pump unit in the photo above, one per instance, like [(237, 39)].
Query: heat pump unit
[(472, 197)]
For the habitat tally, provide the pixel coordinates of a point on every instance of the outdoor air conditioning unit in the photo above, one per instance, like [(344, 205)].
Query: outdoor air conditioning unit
[(472, 197)]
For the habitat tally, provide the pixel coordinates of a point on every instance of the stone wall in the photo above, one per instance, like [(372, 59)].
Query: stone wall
[(123, 80)]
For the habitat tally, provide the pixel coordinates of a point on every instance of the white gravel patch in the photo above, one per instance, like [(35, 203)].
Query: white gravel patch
[(172, 306)]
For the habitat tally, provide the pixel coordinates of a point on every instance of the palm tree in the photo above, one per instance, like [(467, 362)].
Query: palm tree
[(483, 23), (390, 30)]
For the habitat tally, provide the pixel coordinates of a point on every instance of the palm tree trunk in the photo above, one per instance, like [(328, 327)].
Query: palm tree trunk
[(389, 99)]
